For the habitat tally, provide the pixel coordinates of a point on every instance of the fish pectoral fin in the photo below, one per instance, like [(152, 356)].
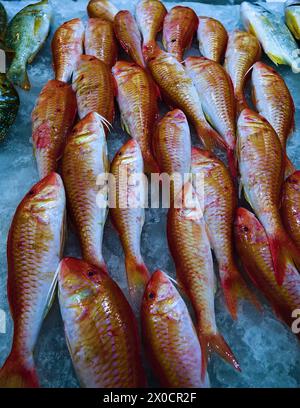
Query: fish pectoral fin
[(276, 59), (51, 294), (124, 125)]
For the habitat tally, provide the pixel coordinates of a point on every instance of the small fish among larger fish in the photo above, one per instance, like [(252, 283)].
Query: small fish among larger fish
[(180, 25), (170, 337), (25, 36), (52, 120), (34, 247), (271, 31), (100, 328)]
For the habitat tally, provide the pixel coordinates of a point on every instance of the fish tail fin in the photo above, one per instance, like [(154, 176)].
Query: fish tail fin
[(241, 102), (17, 73), (18, 373), (210, 137), (235, 289), (283, 251), (216, 343), (137, 277), (232, 162)]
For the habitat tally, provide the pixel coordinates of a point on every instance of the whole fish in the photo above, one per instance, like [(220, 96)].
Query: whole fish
[(100, 327), (243, 50), (103, 9), (85, 158), (172, 148), (150, 16), (261, 164), (34, 247), (137, 98), (180, 25), (128, 214), (216, 94), (274, 102), (25, 36), (292, 17), (94, 87), (218, 195), (170, 337), (190, 248), (253, 248), (167, 72), (9, 105), (3, 21), (212, 38), (290, 209), (67, 47), (100, 41), (52, 120), (128, 34), (274, 36)]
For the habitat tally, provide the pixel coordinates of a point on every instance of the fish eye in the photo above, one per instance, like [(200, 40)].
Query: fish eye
[(174, 40), (151, 295), (245, 229), (31, 192), (91, 273)]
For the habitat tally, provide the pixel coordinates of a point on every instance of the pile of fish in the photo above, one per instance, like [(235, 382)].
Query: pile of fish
[(71, 125)]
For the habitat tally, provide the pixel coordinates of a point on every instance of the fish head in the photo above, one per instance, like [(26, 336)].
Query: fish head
[(48, 194), (123, 71), (250, 122), (202, 160), (155, 55), (129, 153), (293, 181), (247, 228), (160, 296), (263, 72), (198, 64), (88, 128), (79, 280), (176, 117)]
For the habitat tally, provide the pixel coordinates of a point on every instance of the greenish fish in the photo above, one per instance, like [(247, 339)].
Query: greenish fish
[(9, 105), (271, 31), (292, 17), (3, 21), (26, 33)]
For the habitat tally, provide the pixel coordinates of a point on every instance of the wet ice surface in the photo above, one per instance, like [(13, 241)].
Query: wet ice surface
[(268, 353)]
